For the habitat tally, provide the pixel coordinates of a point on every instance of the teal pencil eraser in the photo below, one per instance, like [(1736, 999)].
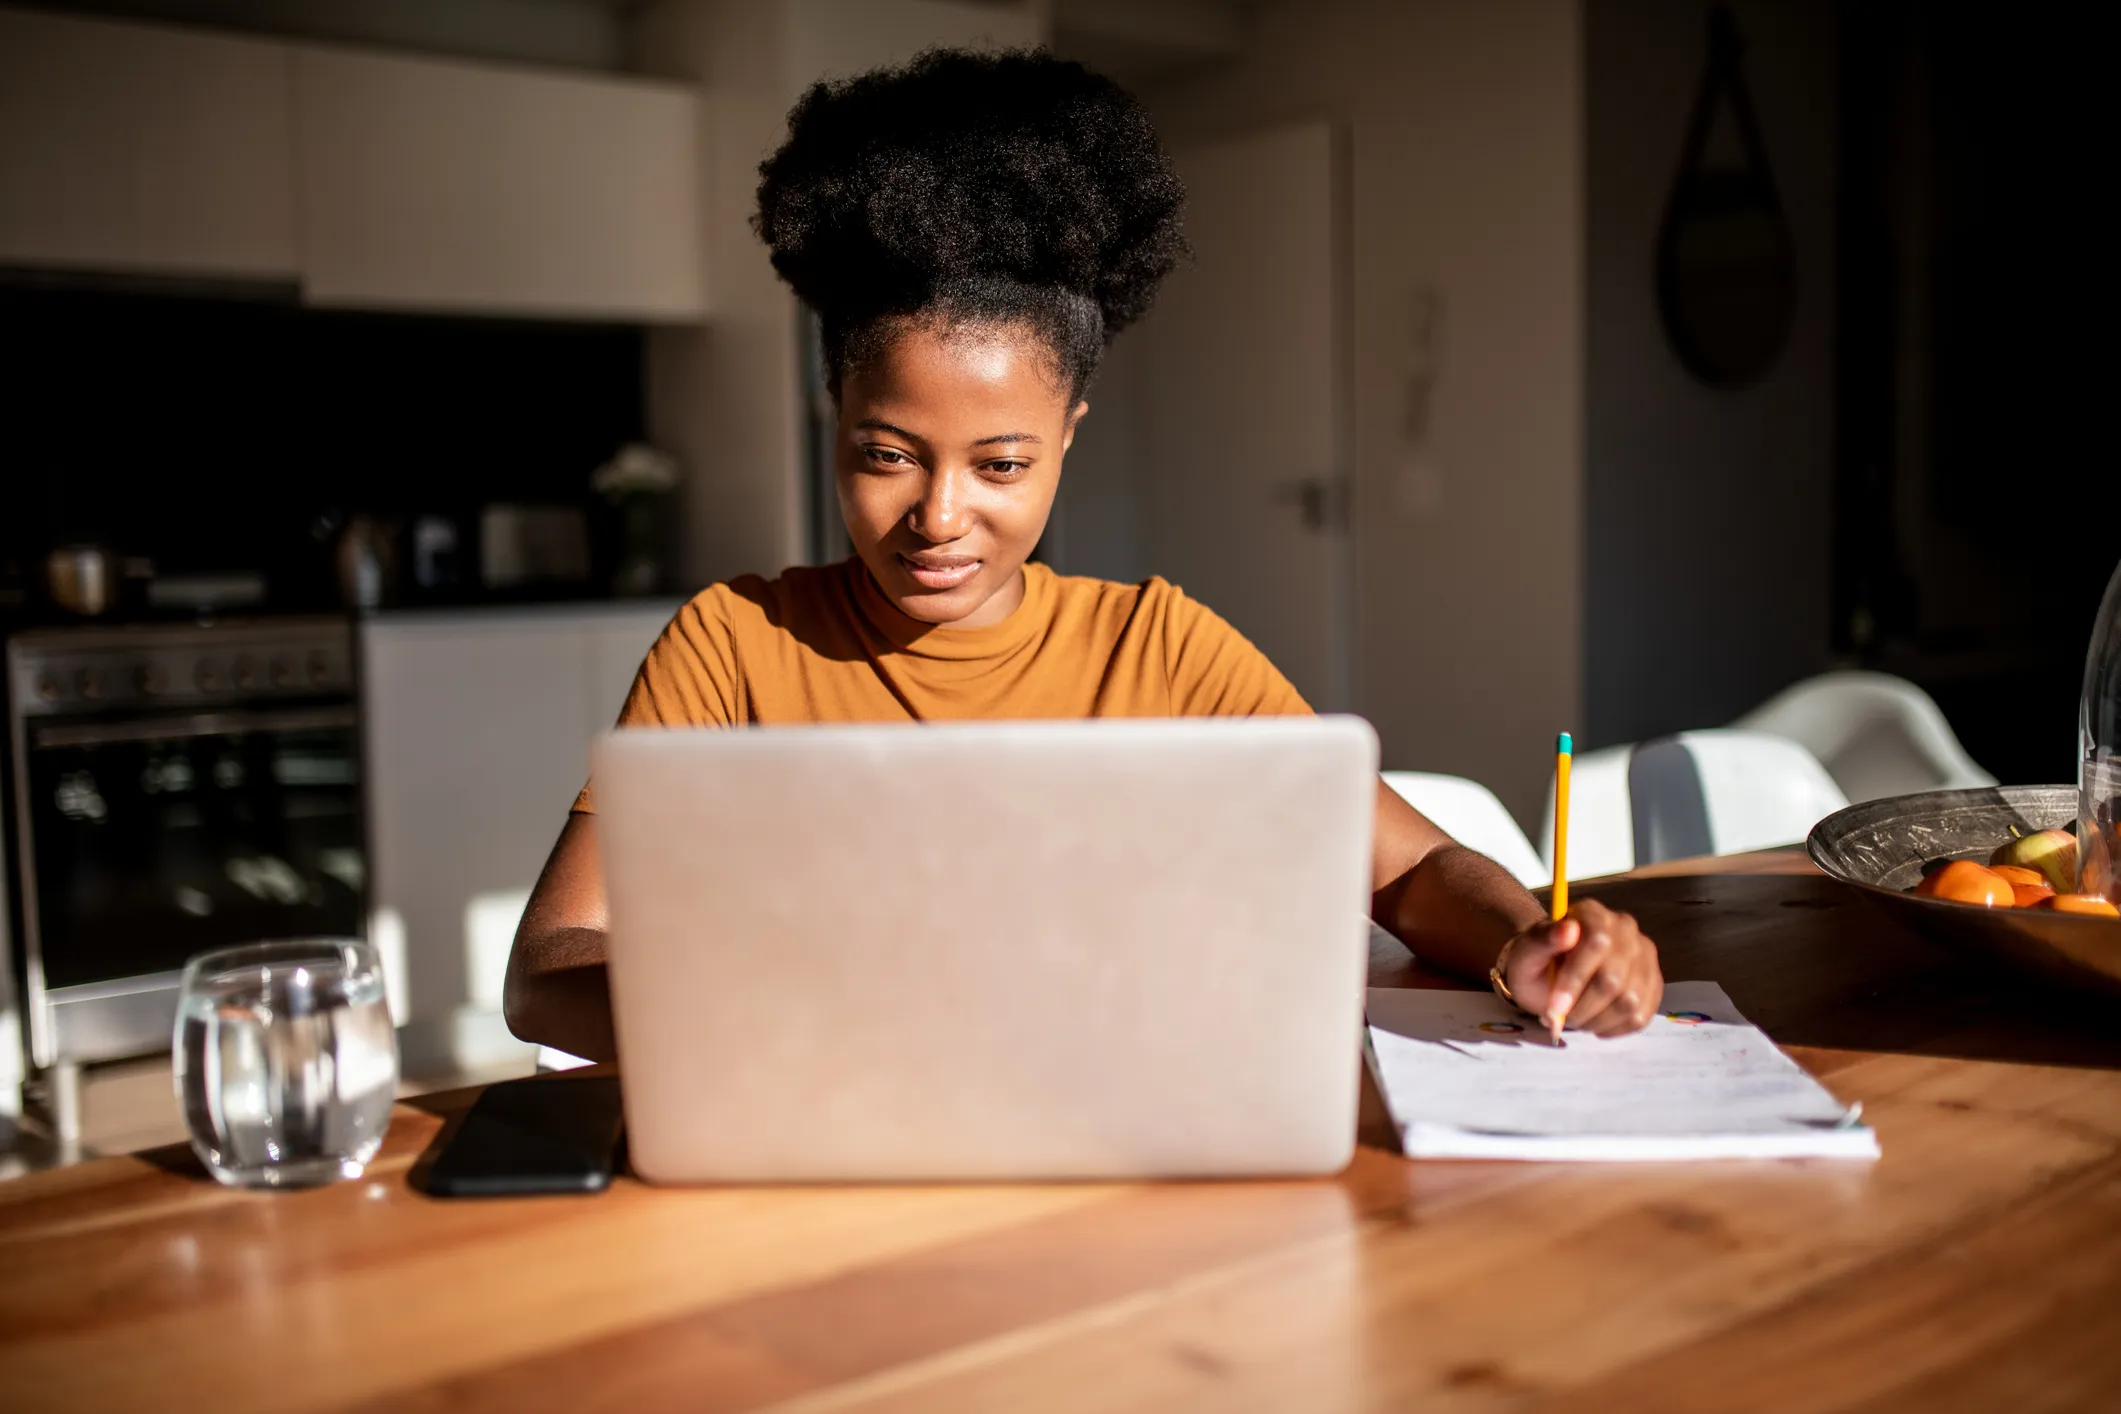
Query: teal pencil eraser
[(1565, 745)]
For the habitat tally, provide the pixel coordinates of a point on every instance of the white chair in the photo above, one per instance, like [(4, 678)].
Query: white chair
[(1697, 793), (1601, 829), (1725, 792), (1468, 812), (1877, 735)]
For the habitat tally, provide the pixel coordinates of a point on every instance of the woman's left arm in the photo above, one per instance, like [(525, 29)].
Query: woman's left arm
[(1463, 912)]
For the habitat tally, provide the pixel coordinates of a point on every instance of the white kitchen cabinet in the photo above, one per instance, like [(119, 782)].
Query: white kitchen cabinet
[(616, 646), (441, 185), (140, 149), (478, 725)]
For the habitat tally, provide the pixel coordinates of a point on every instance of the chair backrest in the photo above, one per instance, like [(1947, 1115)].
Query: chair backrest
[(1725, 792), (1698, 793), (1876, 734), (1601, 830), (1468, 812)]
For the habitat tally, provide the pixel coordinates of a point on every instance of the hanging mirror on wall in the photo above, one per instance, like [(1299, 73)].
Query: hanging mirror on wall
[(1726, 266)]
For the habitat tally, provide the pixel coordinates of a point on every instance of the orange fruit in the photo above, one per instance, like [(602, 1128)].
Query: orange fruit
[(1963, 881), (2019, 874), (2080, 903), (2030, 895)]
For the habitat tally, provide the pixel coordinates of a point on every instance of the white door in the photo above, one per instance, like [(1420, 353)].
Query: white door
[(1245, 429)]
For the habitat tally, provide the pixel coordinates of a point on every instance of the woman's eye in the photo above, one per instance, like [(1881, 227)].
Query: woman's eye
[(884, 456), (1006, 470)]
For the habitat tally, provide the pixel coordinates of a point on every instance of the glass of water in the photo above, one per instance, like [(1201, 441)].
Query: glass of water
[(286, 1062)]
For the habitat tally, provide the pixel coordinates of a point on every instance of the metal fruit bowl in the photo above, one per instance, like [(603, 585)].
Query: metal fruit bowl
[(1879, 847)]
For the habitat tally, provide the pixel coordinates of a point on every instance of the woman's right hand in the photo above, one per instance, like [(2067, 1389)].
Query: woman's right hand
[(1595, 971)]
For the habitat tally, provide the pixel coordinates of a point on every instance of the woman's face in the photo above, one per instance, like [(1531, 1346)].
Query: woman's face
[(950, 447)]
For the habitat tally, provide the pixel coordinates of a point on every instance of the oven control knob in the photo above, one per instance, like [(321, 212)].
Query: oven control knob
[(244, 674), (283, 673), (150, 679), (50, 688), (207, 676), (88, 683), (319, 669)]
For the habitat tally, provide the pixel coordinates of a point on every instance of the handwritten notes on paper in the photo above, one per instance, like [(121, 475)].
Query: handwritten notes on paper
[(1468, 1077)]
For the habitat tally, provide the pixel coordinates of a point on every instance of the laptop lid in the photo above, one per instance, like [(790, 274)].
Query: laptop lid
[(989, 950)]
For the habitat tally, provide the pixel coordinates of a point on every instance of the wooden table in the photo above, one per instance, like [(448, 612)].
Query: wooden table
[(1977, 1267)]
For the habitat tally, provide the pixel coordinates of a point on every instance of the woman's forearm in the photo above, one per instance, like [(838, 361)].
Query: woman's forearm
[(1455, 909), (558, 993)]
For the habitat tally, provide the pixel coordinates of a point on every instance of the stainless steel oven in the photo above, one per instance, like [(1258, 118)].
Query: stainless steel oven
[(176, 788)]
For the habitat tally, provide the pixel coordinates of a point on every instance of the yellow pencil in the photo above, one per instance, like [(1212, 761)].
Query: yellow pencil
[(1564, 748)]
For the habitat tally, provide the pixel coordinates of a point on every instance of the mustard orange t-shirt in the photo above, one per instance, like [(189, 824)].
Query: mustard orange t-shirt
[(824, 645)]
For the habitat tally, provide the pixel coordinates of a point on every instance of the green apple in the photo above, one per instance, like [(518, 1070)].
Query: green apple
[(2051, 853)]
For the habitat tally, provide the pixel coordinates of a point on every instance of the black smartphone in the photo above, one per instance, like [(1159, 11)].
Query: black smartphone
[(551, 1134)]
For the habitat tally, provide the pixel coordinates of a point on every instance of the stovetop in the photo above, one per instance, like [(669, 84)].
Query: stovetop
[(84, 668), (22, 611)]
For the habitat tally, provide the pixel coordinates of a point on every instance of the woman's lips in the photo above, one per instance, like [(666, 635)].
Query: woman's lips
[(940, 571)]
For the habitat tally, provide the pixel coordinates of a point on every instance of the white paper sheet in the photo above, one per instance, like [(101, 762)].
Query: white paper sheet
[(1468, 1077)]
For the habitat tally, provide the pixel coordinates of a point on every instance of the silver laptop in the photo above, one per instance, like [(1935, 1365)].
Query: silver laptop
[(1030, 950)]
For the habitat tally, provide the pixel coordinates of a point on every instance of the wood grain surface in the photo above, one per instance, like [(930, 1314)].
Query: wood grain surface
[(1976, 1267)]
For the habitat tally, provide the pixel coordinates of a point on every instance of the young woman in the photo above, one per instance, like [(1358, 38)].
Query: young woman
[(972, 231)]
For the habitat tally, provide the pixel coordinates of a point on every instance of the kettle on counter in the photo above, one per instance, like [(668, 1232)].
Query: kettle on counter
[(366, 558), (82, 579)]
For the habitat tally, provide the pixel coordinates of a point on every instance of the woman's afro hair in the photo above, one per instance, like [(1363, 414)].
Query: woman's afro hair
[(1009, 187)]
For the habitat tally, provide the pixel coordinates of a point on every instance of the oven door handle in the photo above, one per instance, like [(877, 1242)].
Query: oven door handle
[(198, 725)]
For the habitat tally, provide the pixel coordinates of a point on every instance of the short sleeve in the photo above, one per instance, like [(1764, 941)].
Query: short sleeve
[(688, 679), (1215, 671)]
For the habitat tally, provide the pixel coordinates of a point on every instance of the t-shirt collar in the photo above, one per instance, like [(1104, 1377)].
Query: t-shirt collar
[(926, 640)]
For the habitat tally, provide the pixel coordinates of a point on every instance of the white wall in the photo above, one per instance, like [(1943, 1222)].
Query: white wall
[(723, 396), (1708, 575), (1465, 130), (726, 397), (1100, 515), (841, 38)]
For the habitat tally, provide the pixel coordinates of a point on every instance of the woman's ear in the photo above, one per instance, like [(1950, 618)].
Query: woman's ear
[(1082, 410)]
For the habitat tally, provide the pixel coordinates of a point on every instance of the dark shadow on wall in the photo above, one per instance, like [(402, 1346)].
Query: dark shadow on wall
[(1707, 509), (1976, 513)]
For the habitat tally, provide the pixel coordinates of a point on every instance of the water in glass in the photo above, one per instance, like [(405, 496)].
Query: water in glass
[(286, 1063)]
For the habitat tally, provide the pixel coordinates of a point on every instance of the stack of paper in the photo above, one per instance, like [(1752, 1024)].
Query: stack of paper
[(1468, 1077)]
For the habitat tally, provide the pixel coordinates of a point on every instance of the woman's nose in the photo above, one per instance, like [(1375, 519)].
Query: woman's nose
[(939, 515)]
